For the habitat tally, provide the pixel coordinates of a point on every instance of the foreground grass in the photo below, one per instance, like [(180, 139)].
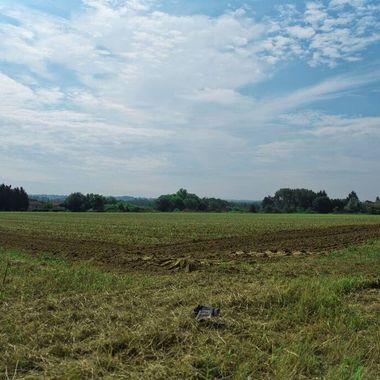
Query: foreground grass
[(294, 318)]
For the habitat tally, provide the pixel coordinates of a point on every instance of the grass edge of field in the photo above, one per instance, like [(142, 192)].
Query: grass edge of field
[(307, 320)]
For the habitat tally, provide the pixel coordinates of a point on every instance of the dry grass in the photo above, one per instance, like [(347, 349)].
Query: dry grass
[(294, 318)]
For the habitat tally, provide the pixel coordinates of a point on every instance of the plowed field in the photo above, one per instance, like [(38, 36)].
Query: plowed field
[(145, 241)]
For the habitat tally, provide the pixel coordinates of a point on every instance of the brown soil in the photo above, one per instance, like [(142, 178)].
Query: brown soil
[(267, 244)]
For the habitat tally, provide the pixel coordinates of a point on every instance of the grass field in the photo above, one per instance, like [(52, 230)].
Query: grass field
[(299, 296)]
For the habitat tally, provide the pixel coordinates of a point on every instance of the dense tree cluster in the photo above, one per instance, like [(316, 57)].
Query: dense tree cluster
[(94, 202), (183, 200), (180, 201), (304, 200), (13, 199), (80, 202)]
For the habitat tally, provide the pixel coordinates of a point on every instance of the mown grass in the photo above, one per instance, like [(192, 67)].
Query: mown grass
[(294, 318)]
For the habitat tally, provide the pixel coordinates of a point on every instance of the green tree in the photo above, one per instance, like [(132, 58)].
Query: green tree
[(76, 202), (164, 203), (13, 199), (338, 204), (322, 204), (192, 202), (178, 202), (353, 203), (111, 200), (182, 194), (97, 202), (268, 204), (182, 200)]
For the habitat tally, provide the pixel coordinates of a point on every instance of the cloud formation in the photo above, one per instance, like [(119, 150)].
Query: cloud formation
[(126, 89), (328, 33)]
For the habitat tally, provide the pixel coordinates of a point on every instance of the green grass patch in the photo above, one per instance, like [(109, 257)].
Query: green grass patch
[(43, 275), (309, 317)]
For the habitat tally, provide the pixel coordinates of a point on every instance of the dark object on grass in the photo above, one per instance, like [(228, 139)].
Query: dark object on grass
[(5, 274), (203, 312)]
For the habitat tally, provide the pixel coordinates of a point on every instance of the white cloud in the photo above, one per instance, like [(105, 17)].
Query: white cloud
[(315, 14), (340, 127), (120, 85), (316, 131), (277, 150), (334, 32), (13, 91), (269, 109), (301, 32)]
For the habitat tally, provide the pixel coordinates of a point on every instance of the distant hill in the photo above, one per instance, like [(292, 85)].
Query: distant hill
[(137, 201), (128, 198), (244, 201), (47, 197)]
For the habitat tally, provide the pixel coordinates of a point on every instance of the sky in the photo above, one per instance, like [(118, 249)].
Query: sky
[(225, 98)]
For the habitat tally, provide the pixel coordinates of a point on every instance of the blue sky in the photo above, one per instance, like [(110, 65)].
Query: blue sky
[(226, 98)]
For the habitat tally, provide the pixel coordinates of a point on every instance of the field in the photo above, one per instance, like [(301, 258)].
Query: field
[(111, 296), (146, 241)]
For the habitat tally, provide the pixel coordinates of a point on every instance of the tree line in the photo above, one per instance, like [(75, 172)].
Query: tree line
[(179, 201), (96, 202), (183, 200), (285, 200), (13, 199), (305, 200)]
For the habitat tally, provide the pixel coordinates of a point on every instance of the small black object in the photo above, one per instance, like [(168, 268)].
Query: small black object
[(203, 312)]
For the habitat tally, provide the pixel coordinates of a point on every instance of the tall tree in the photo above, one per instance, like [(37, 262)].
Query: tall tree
[(76, 202), (13, 199), (322, 204)]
